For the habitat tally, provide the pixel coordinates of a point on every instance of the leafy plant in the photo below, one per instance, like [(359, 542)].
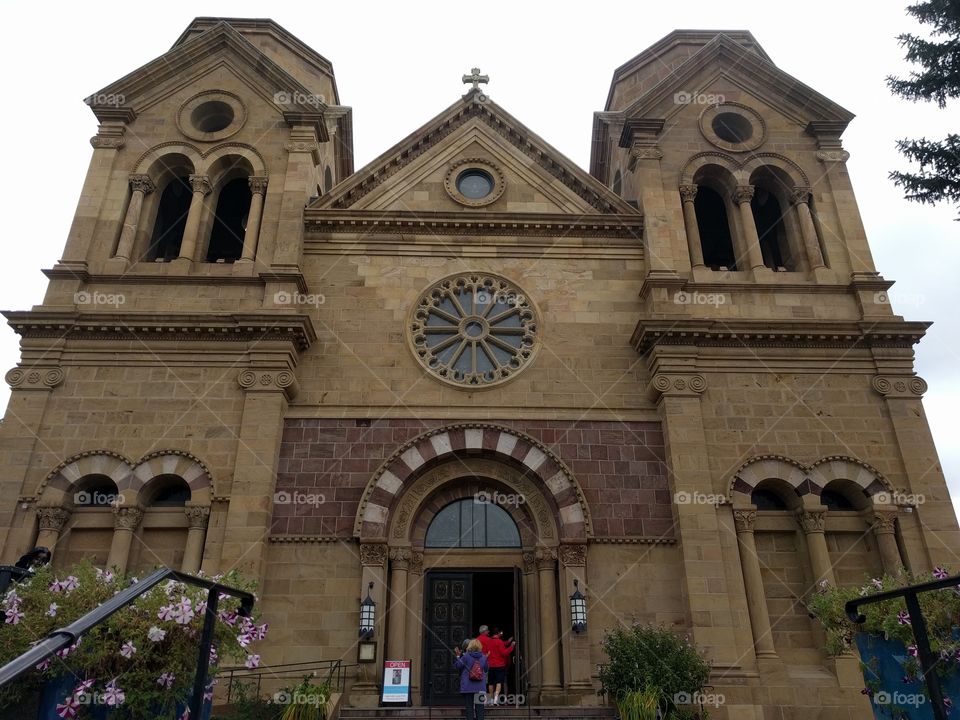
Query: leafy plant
[(639, 704), (306, 701), (140, 662), (651, 659)]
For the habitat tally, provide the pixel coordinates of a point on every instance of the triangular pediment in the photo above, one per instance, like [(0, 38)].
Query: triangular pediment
[(725, 58), (538, 179), (217, 47)]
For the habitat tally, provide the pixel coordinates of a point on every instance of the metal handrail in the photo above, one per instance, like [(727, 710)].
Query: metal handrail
[(919, 626), (59, 639), (336, 673)]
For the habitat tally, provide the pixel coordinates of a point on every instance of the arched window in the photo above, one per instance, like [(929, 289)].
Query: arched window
[(171, 220), (774, 494), (95, 491), (327, 180), (844, 495), (167, 491), (714, 227), (768, 216), (617, 182), (767, 500), (230, 221), (470, 523)]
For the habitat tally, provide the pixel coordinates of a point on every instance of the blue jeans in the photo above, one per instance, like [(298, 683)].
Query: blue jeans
[(473, 706)]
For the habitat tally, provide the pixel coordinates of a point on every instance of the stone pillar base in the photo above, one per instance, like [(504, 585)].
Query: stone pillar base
[(116, 266), (364, 695), (181, 264)]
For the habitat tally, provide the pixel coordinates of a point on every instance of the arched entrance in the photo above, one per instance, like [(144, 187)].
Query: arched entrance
[(425, 548)]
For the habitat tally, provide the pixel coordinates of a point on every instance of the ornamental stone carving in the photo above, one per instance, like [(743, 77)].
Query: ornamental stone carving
[(811, 521), (546, 558), (678, 385), (529, 562), (127, 518), (884, 521), (200, 184), (743, 194), (267, 380), (142, 183), (688, 193), (198, 516), (258, 184), (744, 520), (36, 378), (800, 194), (832, 155), (645, 152), (373, 554), (573, 555), (53, 518), (416, 562), (400, 558), (899, 386)]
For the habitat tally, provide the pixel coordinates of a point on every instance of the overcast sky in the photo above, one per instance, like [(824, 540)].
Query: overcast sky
[(398, 64)]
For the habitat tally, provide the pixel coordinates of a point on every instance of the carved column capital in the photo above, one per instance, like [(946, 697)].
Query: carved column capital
[(884, 521), (258, 184), (743, 194), (53, 518), (573, 555), (400, 558), (529, 562), (811, 521), (546, 558), (269, 380), (800, 195), (34, 378), (373, 554), (127, 518), (688, 193), (201, 184), (670, 384), (902, 386), (744, 520), (416, 562), (198, 516), (826, 156), (142, 183)]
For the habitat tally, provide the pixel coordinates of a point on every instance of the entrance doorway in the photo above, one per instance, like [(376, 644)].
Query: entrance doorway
[(456, 604)]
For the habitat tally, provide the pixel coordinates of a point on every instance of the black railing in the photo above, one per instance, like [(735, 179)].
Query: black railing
[(919, 626), (59, 639), (11, 573), (333, 672)]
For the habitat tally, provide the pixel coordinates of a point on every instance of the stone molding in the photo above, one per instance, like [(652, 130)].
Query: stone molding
[(198, 516), (833, 156), (687, 385), (573, 555), (201, 184), (108, 137), (400, 558), (34, 378), (258, 184), (899, 386), (688, 193), (416, 563), (744, 520), (373, 554), (545, 558), (634, 540), (743, 194), (142, 183), (53, 518), (800, 195), (263, 380), (298, 539), (884, 522), (127, 518), (811, 521)]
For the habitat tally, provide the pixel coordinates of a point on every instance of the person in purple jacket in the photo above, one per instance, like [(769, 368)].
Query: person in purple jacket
[(471, 664)]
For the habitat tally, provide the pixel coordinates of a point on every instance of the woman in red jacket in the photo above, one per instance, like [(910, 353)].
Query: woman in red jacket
[(499, 659)]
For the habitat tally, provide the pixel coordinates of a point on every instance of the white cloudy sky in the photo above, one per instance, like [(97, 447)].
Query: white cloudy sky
[(399, 63)]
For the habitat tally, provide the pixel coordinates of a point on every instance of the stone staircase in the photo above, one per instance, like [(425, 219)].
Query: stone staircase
[(491, 713)]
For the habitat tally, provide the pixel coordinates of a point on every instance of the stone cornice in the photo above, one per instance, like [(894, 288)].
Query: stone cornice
[(472, 223), (777, 333), (252, 327)]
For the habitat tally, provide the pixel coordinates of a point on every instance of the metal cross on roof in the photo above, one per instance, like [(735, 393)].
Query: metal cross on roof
[(476, 78)]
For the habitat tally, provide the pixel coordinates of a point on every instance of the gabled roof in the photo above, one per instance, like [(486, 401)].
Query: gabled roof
[(187, 59), (476, 105), (668, 46)]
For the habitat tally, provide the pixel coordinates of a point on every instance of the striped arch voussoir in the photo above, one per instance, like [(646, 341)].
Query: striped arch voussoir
[(808, 478), (496, 441)]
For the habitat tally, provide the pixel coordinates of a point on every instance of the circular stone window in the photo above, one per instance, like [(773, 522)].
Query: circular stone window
[(474, 182), (733, 126), (474, 330), (211, 116)]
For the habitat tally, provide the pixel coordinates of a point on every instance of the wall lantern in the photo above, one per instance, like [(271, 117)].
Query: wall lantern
[(578, 609), (368, 615)]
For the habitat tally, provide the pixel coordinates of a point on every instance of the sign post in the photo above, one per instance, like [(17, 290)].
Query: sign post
[(396, 682)]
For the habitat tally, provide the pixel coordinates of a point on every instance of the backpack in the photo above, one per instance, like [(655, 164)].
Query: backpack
[(476, 671)]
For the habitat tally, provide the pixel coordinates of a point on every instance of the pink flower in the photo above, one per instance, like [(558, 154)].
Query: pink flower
[(912, 650), (939, 573), (11, 600), (903, 617), (44, 665), (105, 575), (252, 661), (14, 616), (244, 639), (70, 584), (83, 688), (52, 610), (877, 583), (69, 707), (229, 617), (56, 586), (156, 634), (128, 650), (113, 696), (166, 613), (166, 680), (183, 612), (213, 655), (261, 632)]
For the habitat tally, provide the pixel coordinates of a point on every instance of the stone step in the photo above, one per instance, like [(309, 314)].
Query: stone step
[(493, 713)]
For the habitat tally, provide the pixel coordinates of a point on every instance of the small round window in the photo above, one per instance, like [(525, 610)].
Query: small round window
[(732, 128), (211, 116), (475, 184)]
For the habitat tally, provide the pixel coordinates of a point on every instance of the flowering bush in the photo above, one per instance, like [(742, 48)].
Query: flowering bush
[(141, 661), (889, 618)]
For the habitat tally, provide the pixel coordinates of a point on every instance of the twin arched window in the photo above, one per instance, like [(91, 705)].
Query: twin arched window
[(472, 523)]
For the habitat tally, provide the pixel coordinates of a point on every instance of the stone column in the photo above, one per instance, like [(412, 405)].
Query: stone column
[(884, 530), (258, 187), (397, 619), (200, 184), (125, 522), (530, 620), (801, 200), (688, 194), (742, 197), (414, 620), (373, 559), (141, 185), (576, 646), (197, 518), (812, 523), (549, 639), (744, 521), (52, 521)]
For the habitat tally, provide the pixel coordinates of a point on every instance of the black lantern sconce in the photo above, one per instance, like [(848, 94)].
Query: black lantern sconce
[(578, 609), (368, 615)]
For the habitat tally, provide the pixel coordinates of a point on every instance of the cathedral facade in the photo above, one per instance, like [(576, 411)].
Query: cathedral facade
[(474, 382)]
